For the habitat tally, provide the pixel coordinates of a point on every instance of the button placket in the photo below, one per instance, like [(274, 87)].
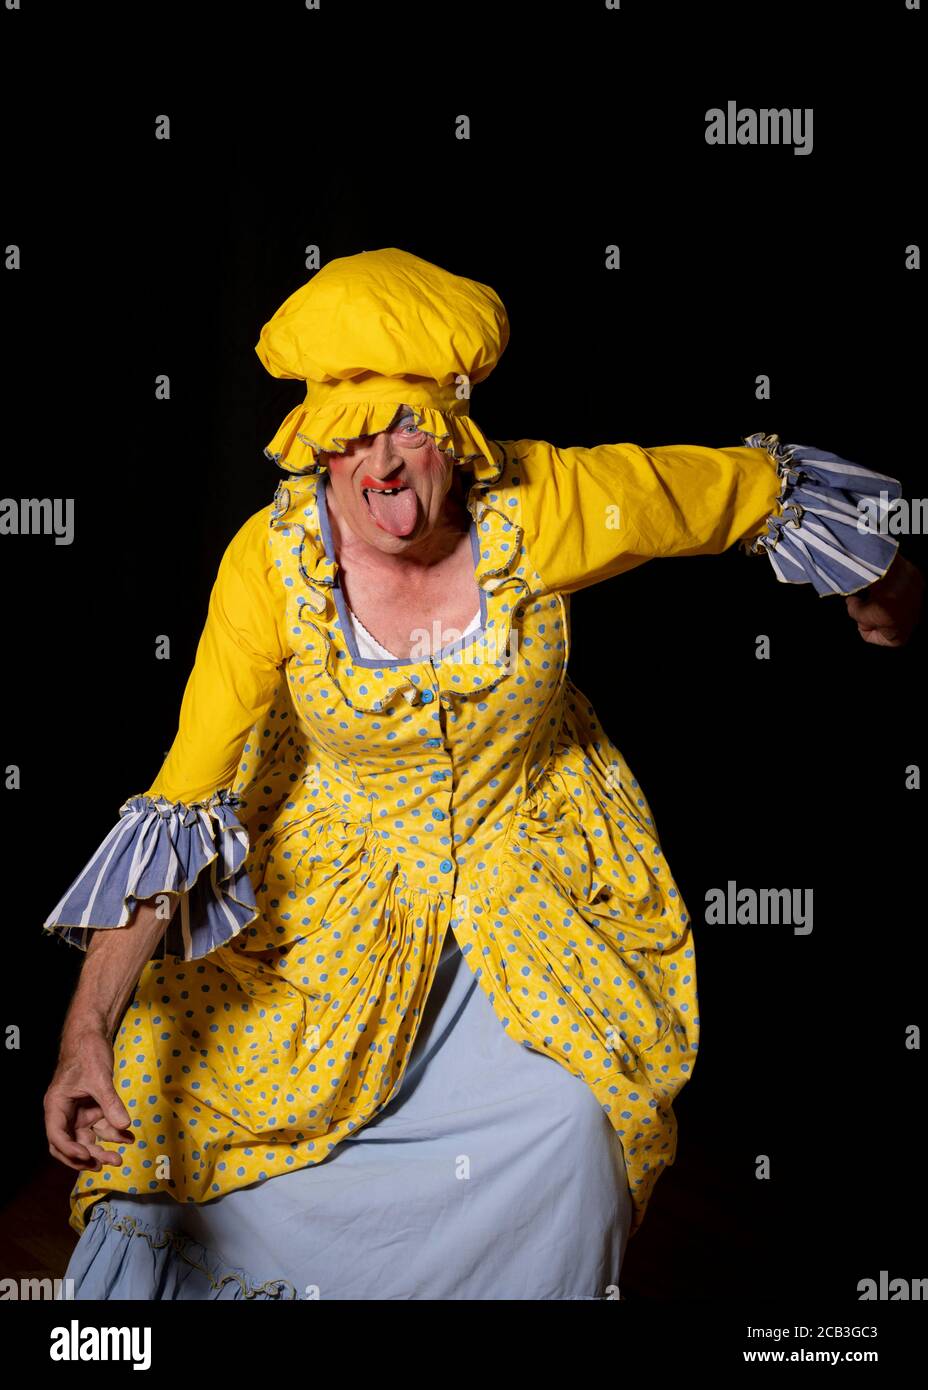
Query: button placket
[(447, 865)]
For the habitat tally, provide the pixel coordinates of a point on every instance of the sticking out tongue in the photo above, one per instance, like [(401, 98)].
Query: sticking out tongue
[(394, 512)]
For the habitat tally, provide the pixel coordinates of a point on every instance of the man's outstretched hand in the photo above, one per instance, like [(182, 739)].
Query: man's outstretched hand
[(886, 612)]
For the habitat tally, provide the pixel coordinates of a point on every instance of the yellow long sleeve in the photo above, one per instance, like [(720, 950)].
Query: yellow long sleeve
[(589, 514), (236, 670)]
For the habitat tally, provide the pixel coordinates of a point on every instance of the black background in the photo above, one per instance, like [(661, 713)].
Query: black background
[(336, 128)]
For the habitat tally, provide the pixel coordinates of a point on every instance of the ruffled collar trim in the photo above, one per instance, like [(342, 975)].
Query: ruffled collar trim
[(317, 611)]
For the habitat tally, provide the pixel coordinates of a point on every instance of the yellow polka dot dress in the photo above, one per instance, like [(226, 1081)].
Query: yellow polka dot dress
[(373, 807), (329, 818)]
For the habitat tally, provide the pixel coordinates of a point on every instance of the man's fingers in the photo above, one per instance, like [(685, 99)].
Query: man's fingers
[(58, 1121), (90, 1141), (104, 1130), (887, 610), (876, 624), (881, 636), (116, 1113), (69, 1162), (866, 610), (60, 1138), (71, 1138)]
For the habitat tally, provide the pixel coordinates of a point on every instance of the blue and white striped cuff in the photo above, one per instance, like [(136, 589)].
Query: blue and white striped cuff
[(823, 533), (198, 850)]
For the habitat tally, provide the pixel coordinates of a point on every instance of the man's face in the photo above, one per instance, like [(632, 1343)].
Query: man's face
[(391, 487)]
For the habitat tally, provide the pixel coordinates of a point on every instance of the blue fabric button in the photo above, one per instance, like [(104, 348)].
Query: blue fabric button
[(433, 743), (438, 776), (437, 815), (427, 697), (446, 866)]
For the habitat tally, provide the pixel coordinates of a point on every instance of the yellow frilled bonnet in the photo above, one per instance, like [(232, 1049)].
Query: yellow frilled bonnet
[(376, 331)]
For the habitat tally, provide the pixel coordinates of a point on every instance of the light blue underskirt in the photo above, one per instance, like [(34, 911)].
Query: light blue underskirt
[(492, 1174)]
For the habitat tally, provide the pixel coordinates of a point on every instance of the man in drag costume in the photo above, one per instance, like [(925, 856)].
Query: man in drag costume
[(413, 1020)]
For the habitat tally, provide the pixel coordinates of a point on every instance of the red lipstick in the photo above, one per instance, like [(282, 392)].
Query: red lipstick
[(379, 484)]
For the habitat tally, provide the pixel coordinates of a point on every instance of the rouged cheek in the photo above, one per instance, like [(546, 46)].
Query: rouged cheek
[(438, 464)]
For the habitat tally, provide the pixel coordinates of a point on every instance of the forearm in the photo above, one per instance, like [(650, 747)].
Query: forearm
[(112, 965)]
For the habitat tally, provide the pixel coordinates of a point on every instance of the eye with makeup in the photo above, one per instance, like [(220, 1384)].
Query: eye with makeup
[(408, 431)]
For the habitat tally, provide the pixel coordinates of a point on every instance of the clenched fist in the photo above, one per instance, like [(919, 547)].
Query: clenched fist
[(886, 612)]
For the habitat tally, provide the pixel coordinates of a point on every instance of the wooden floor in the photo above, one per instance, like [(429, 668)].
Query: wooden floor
[(35, 1238), (690, 1226)]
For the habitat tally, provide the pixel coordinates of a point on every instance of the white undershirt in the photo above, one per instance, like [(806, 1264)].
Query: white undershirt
[(368, 646)]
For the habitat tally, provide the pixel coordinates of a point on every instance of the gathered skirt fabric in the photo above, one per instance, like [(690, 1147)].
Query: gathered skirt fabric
[(493, 1173)]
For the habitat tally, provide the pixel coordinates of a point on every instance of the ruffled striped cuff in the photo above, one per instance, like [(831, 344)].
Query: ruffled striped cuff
[(159, 847), (827, 529)]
